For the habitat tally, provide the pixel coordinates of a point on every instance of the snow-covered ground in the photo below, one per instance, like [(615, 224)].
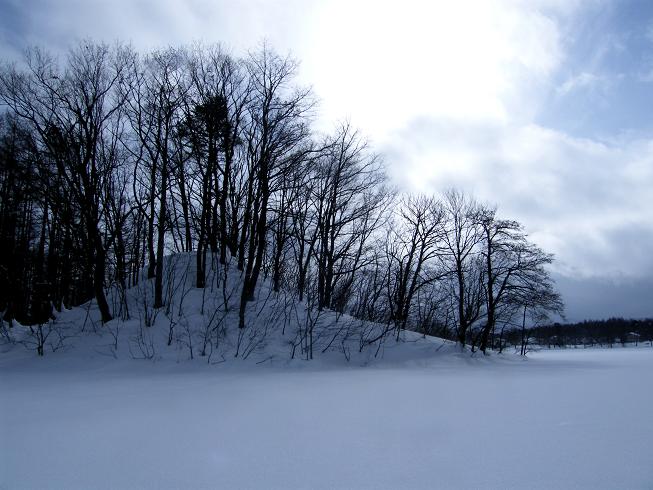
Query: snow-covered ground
[(563, 419)]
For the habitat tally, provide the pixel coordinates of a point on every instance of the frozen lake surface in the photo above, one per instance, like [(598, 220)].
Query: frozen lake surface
[(562, 419)]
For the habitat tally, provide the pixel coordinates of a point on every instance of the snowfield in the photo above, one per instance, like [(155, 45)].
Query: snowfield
[(566, 419)]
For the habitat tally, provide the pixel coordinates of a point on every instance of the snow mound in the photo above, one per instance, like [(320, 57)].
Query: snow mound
[(201, 325)]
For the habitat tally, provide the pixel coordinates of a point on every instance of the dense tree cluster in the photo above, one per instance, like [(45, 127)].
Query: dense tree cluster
[(112, 159)]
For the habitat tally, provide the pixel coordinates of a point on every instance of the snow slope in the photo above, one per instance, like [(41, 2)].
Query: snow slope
[(202, 325)]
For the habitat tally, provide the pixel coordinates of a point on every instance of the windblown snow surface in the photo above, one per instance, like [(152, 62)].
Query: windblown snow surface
[(569, 419), (420, 415)]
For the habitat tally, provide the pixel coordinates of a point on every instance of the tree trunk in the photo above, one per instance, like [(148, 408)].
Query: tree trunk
[(158, 281), (98, 279)]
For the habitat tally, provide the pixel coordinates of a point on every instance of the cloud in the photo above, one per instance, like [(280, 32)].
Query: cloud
[(605, 298), (383, 64), (57, 24), (586, 201), (580, 81), (590, 83), (376, 62)]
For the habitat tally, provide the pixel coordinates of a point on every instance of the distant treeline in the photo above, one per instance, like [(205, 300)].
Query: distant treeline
[(588, 333)]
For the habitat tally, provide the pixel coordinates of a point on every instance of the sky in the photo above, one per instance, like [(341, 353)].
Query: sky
[(542, 107)]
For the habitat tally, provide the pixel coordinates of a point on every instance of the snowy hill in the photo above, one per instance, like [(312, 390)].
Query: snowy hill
[(201, 325)]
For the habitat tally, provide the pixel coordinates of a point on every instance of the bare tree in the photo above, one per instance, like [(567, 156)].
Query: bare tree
[(459, 255), (349, 195), (515, 273), (158, 89), (69, 109), (276, 130), (412, 244)]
